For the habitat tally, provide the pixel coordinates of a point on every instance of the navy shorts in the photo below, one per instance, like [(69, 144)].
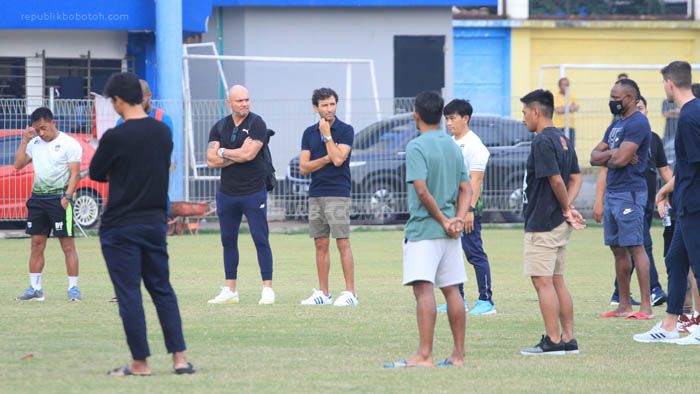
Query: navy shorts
[(47, 215), (623, 218)]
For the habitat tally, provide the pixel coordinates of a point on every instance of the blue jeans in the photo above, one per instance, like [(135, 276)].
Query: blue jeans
[(230, 210), (136, 252), (476, 256)]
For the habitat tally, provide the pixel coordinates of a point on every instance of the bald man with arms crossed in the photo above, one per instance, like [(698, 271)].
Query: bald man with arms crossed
[(236, 146)]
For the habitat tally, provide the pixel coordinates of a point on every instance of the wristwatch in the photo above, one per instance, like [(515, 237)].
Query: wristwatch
[(471, 209), (326, 139), (68, 197), (220, 152)]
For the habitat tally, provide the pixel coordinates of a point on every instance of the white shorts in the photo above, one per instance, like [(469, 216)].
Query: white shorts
[(438, 261)]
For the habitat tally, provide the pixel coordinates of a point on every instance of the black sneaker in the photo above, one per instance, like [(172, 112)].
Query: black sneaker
[(571, 347), (658, 296), (545, 347)]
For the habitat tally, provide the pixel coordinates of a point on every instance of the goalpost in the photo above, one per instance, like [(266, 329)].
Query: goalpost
[(190, 158)]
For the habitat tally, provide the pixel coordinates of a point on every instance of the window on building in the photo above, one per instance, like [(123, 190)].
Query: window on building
[(12, 77), (76, 78), (475, 12), (610, 9)]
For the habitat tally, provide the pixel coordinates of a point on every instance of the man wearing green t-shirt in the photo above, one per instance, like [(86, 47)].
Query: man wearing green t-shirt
[(438, 198)]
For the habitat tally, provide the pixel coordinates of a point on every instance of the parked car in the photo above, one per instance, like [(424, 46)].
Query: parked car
[(16, 185), (378, 168)]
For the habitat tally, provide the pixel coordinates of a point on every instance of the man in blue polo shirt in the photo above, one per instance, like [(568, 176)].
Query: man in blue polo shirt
[(325, 154), (624, 150), (684, 251)]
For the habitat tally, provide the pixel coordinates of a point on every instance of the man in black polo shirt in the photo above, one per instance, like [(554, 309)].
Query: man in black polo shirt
[(325, 154), (236, 146), (552, 182), (135, 157)]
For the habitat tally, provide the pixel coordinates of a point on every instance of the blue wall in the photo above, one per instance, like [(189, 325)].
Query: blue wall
[(482, 68)]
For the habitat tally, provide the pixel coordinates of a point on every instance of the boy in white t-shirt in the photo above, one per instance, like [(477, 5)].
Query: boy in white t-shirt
[(457, 115), (56, 159)]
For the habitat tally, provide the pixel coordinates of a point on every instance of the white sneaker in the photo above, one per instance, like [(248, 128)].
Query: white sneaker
[(657, 334), (346, 299), (692, 339), (318, 298), (267, 297), (226, 296)]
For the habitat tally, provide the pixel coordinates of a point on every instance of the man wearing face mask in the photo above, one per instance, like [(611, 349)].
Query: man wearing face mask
[(624, 150), (657, 166)]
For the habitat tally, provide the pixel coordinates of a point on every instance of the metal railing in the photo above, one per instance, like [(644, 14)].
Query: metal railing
[(377, 163)]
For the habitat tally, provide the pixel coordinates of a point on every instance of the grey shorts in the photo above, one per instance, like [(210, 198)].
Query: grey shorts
[(329, 216)]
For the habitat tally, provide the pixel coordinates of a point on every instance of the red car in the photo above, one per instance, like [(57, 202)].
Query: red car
[(16, 185)]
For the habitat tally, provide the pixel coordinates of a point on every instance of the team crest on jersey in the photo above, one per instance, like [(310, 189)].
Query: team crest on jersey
[(57, 148), (563, 143)]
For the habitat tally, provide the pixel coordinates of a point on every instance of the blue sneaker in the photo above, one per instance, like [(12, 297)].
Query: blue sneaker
[(31, 295), (443, 307), (658, 296), (615, 300), (483, 307), (74, 294)]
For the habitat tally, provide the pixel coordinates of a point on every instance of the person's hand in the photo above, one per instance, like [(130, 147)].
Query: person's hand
[(453, 227), (325, 127), (661, 202), (29, 133), (575, 219), (469, 222), (598, 212), (248, 141), (64, 202), (635, 160)]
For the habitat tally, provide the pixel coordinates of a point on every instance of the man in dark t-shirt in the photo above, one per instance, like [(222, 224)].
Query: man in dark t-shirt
[(552, 182), (657, 165), (236, 146), (624, 150), (684, 251), (325, 154), (135, 157)]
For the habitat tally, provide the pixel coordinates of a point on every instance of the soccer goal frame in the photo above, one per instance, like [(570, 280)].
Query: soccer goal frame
[(565, 66), (190, 158)]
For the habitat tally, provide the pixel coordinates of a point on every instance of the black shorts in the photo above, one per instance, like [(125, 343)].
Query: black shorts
[(46, 215)]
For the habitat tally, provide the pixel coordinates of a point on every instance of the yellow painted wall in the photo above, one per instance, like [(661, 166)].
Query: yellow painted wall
[(611, 43)]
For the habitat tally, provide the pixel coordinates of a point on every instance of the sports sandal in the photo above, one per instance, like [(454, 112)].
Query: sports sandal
[(640, 316), (188, 370), (124, 371)]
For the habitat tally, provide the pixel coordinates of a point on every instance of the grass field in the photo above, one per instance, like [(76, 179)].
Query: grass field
[(289, 348)]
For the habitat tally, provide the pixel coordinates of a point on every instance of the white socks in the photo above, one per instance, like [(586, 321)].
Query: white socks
[(35, 281), (72, 282)]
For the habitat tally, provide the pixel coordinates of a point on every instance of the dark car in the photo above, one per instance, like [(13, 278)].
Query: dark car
[(378, 168)]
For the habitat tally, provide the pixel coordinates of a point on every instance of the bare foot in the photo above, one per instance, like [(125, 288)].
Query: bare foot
[(419, 361), (623, 311)]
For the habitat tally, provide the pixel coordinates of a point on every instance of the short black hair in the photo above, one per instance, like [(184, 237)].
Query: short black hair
[(322, 94), (543, 98), (679, 72), (695, 88), (41, 113), (429, 107), (642, 99), (458, 106), (562, 79), (632, 84), (126, 86), (622, 76)]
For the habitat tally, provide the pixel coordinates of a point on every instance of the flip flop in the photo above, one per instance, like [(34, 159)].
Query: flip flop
[(445, 363), (124, 371), (641, 316), (401, 364), (189, 370), (608, 315)]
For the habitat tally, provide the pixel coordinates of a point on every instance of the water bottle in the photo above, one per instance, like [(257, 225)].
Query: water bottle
[(666, 220)]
